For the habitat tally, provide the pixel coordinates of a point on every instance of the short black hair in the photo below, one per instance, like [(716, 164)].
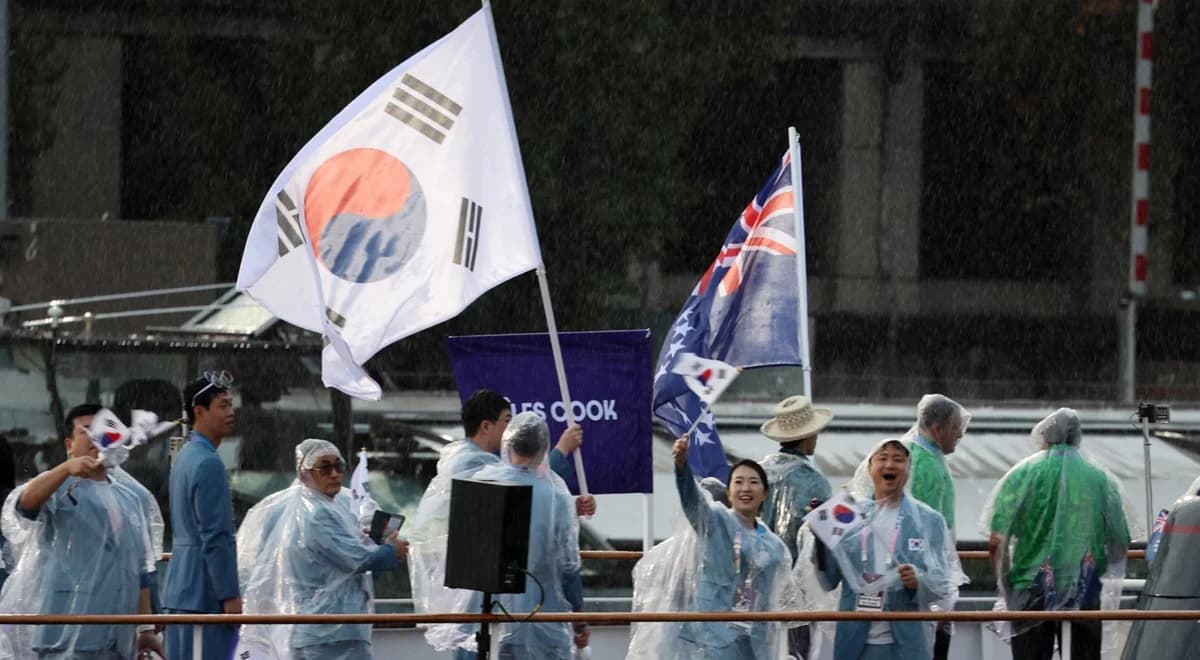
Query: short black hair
[(483, 406), (193, 396), (762, 473), (81, 410)]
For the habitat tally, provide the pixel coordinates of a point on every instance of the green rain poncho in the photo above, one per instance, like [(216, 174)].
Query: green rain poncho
[(931, 482), (1061, 524)]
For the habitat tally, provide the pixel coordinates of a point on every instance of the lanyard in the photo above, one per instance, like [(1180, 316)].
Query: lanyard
[(891, 547), (737, 553)]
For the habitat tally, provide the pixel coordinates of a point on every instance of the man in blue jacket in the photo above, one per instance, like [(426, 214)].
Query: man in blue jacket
[(203, 576)]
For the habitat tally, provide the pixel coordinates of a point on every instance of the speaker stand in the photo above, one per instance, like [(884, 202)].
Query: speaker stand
[(483, 638)]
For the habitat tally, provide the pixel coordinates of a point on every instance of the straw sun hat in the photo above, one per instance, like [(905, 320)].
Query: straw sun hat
[(795, 419)]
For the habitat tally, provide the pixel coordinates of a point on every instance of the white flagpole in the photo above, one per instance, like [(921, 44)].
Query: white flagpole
[(647, 521), (551, 326), (801, 260), (552, 329)]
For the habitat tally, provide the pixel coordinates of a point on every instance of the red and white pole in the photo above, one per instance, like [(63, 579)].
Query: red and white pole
[(1140, 215), (1139, 243)]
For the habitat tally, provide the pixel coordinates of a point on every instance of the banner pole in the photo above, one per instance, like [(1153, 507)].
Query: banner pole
[(647, 521), (552, 329), (801, 261)]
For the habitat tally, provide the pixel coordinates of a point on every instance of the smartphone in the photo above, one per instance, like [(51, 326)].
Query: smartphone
[(384, 524)]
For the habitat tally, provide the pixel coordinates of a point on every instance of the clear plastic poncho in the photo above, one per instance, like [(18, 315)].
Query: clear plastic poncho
[(712, 563), (794, 482), (83, 552), (553, 542), (867, 559), (1063, 525), (301, 551), (427, 534), (153, 518)]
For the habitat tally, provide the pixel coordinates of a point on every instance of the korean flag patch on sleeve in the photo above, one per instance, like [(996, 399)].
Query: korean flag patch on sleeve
[(916, 545)]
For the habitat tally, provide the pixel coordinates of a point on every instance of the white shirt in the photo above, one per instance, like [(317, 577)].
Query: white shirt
[(883, 527)]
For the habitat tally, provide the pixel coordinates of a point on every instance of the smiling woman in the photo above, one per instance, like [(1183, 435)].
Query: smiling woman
[(723, 559), (747, 490)]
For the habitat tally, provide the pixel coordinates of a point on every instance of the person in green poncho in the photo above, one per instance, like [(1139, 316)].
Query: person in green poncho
[(1057, 524), (941, 423)]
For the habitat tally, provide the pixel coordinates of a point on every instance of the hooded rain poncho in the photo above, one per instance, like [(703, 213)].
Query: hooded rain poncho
[(712, 563), (1062, 524), (301, 551)]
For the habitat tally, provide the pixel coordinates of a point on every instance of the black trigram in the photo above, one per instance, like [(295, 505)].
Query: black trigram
[(336, 319), (470, 216), (422, 108), (287, 218)]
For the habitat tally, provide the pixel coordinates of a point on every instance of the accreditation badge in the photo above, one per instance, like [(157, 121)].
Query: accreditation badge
[(870, 603)]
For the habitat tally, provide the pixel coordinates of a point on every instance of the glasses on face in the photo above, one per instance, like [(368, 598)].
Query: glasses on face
[(222, 379), (328, 469)]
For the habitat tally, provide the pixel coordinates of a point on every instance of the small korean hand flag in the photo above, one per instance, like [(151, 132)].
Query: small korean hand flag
[(832, 520), (707, 378)]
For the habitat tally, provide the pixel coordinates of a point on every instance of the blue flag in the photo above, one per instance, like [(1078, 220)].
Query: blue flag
[(609, 375), (744, 311)]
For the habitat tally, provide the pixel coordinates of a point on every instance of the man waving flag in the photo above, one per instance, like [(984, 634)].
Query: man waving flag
[(744, 312), (401, 211)]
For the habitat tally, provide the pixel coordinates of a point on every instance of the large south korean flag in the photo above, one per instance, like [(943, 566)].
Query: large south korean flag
[(406, 207)]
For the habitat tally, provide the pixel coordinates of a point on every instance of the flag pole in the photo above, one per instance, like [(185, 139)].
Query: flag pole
[(551, 326), (801, 261), (552, 329), (696, 423)]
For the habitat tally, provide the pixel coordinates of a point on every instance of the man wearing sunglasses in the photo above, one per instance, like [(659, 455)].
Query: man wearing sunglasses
[(202, 576)]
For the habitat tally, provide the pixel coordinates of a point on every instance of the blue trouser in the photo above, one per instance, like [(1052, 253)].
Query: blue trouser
[(879, 652), (511, 652), (219, 640), (741, 649), (347, 650)]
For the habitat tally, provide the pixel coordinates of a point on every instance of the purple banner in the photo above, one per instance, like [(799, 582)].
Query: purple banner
[(608, 373)]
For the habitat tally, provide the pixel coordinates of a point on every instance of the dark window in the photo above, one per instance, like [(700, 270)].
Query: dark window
[(997, 198)]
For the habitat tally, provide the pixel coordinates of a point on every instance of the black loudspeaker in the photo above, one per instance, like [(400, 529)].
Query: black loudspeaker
[(488, 545)]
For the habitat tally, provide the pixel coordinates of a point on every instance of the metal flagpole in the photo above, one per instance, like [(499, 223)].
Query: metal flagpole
[(801, 260), (1149, 486)]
